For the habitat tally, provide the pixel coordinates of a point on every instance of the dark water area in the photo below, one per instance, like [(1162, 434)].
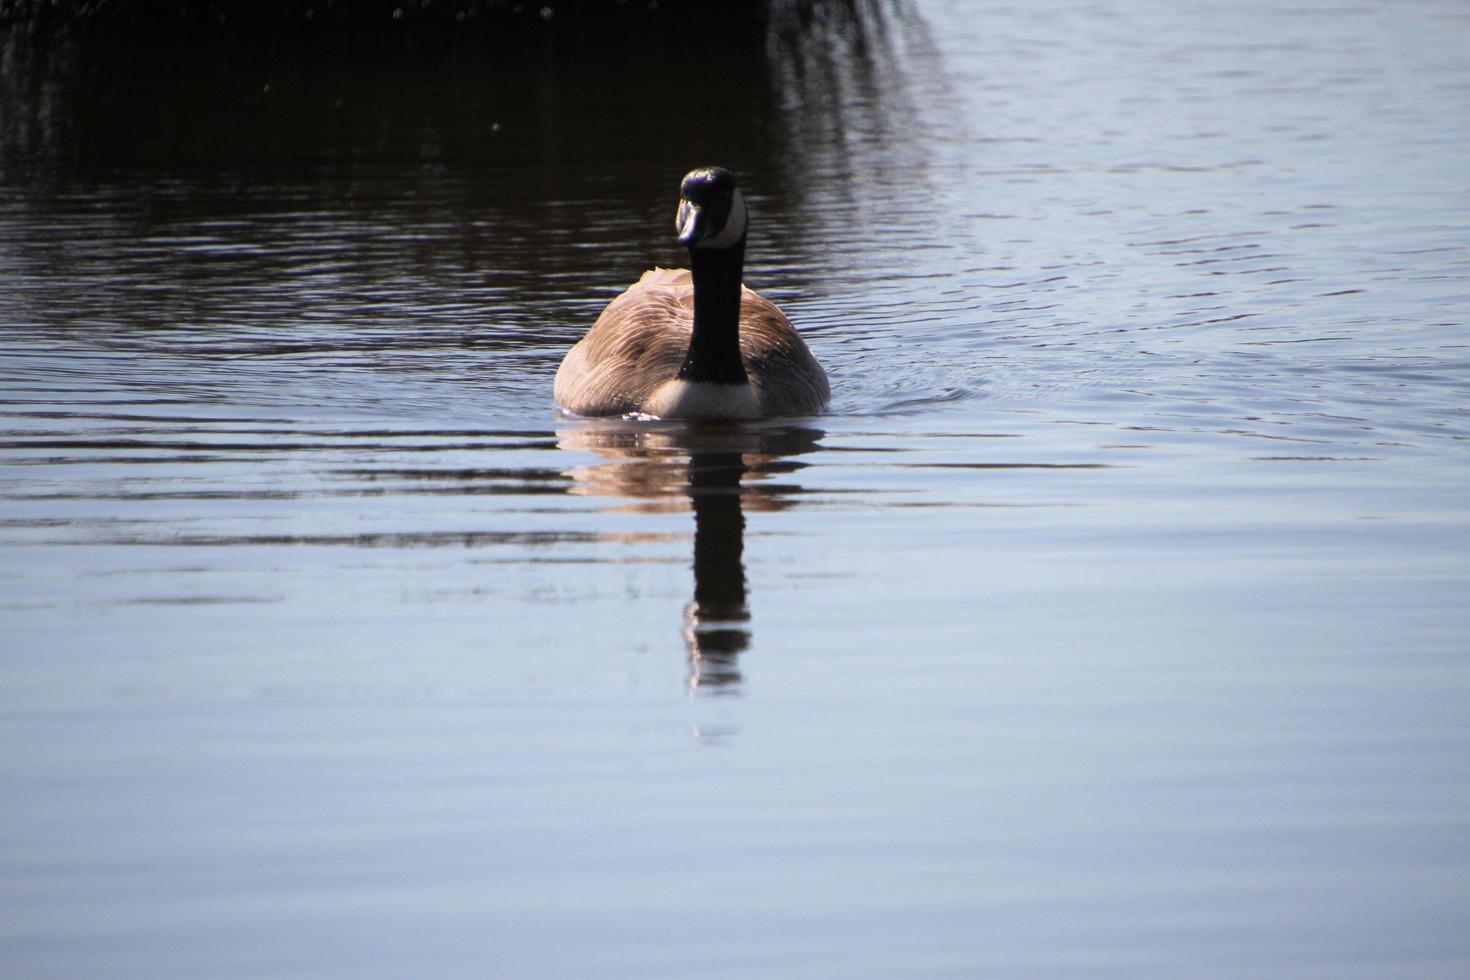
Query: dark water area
[(1110, 623)]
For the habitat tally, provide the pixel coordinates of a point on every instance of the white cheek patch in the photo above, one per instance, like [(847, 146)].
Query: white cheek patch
[(734, 228)]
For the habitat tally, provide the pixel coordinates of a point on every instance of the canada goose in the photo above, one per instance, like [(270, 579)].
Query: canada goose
[(682, 344)]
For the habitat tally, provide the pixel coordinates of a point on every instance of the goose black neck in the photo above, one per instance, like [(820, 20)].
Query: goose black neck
[(714, 347)]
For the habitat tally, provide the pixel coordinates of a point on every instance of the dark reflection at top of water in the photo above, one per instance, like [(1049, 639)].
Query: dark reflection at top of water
[(437, 213)]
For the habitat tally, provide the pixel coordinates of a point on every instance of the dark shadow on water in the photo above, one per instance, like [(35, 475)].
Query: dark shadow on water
[(418, 203), (719, 471)]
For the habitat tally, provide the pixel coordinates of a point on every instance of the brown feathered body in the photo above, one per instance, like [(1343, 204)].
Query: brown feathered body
[(633, 353)]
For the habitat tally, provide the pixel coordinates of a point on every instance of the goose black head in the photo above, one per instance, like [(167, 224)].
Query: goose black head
[(711, 213)]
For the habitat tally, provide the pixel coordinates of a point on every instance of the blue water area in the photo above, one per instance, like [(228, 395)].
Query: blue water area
[(1111, 623)]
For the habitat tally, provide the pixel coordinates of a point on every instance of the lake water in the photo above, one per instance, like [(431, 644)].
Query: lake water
[(1113, 622)]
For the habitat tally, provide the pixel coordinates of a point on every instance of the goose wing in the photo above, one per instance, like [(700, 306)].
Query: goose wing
[(638, 342), (786, 377)]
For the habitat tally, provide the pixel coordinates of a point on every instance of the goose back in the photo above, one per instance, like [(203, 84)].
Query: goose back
[(642, 337)]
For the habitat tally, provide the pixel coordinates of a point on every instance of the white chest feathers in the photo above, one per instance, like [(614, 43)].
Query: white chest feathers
[(679, 399)]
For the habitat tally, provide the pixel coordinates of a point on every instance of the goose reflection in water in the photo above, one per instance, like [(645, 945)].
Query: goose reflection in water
[(719, 470)]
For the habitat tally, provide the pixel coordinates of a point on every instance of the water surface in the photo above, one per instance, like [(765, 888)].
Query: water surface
[(1111, 623)]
